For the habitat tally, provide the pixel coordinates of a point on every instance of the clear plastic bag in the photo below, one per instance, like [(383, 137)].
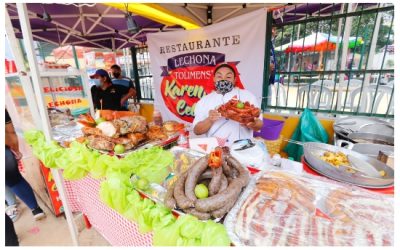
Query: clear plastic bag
[(279, 208)]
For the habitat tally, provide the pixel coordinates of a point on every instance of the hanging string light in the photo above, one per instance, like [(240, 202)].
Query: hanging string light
[(45, 16), (131, 24)]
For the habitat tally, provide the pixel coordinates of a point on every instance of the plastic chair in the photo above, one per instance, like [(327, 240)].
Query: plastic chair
[(279, 90), (325, 83), (367, 98), (353, 83), (313, 97)]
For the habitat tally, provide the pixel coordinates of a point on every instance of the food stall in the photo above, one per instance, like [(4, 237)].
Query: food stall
[(137, 188)]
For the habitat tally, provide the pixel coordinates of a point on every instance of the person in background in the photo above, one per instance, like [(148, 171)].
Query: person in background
[(272, 62), (11, 238), (119, 79), (272, 65), (107, 95), (209, 121), (11, 204), (14, 179)]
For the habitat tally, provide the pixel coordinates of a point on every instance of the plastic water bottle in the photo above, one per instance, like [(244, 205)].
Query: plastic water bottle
[(157, 118), (183, 140)]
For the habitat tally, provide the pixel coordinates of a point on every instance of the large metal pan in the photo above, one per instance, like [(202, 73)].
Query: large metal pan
[(313, 151), (347, 125), (359, 137)]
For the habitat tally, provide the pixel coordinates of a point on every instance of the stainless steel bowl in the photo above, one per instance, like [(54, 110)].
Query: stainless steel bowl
[(359, 137), (368, 149), (313, 151)]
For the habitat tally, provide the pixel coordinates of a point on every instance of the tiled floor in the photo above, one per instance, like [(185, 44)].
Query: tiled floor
[(52, 231)]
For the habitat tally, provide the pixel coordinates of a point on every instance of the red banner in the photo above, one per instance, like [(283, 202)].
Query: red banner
[(184, 84), (52, 190)]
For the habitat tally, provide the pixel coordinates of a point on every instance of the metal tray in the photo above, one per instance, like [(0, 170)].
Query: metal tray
[(143, 145), (313, 150)]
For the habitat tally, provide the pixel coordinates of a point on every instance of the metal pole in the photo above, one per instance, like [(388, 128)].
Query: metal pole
[(28, 42), (266, 96), (25, 80), (136, 74), (372, 48), (75, 57), (335, 60), (345, 46)]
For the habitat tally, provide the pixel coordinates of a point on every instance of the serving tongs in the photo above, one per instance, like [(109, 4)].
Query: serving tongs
[(249, 144), (366, 171)]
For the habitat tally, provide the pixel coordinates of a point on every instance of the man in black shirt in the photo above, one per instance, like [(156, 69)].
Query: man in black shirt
[(107, 95)]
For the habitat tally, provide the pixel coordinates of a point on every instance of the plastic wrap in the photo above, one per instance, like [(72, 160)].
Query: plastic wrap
[(67, 132), (279, 208), (183, 159)]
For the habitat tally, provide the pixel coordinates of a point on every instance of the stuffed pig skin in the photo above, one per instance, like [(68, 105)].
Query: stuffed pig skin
[(246, 114), (108, 129)]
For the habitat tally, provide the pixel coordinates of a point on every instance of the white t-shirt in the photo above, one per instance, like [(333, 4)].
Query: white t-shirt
[(225, 128)]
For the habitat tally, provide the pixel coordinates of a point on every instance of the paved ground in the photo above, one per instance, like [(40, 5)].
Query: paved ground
[(52, 231)]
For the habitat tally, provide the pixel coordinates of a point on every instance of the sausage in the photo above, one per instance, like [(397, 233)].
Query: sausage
[(219, 213), (224, 183), (243, 173), (194, 173), (219, 200), (205, 182), (225, 167), (199, 215), (169, 200), (206, 175), (179, 192), (215, 183)]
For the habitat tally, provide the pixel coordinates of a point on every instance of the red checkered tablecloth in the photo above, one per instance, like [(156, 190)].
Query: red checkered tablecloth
[(83, 195)]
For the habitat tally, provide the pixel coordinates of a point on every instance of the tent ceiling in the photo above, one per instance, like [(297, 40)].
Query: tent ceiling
[(102, 26), (97, 26), (220, 11)]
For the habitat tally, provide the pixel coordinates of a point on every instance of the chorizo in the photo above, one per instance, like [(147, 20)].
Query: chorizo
[(215, 183), (198, 214), (243, 176), (179, 193), (219, 213), (205, 182), (206, 175), (224, 184), (217, 201), (194, 173), (226, 169), (169, 200)]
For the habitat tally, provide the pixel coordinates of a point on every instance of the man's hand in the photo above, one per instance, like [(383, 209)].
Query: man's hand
[(256, 125), (213, 116), (205, 125)]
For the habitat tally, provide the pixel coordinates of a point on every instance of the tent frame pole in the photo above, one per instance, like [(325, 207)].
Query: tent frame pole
[(23, 76), (28, 42), (345, 44)]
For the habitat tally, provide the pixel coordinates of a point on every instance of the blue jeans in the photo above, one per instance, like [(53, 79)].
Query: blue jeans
[(17, 183), (10, 197)]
